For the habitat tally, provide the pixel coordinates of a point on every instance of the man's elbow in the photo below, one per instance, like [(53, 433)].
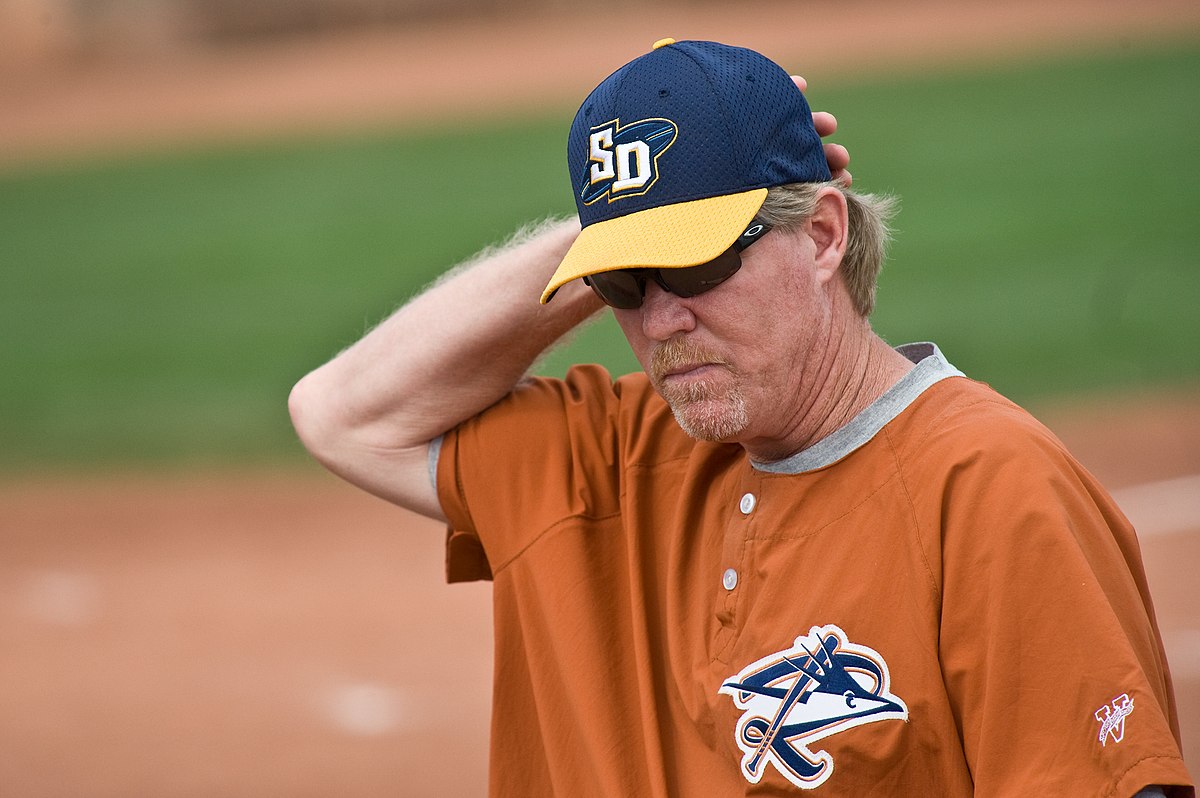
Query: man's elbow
[(359, 452), (313, 418), (339, 433)]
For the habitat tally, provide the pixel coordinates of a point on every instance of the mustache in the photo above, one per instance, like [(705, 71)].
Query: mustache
[(675, 353)]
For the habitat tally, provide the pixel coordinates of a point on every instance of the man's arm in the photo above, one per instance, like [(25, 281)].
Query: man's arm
[(369, 414)]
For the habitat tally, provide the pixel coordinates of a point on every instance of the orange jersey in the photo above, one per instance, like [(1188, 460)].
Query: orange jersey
[(935, 600)]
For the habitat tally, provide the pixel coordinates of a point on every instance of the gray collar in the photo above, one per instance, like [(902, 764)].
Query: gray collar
[(931, 366)]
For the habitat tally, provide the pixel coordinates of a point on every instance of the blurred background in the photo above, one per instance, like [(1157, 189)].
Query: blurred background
[(201, 201)]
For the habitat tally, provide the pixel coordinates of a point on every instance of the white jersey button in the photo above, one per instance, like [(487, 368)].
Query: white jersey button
[(729, 579), (748, 503)]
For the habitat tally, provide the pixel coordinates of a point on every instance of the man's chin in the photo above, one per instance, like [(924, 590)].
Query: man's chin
[(714, 421)]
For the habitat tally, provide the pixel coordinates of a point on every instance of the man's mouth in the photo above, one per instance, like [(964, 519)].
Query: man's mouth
[(689, 370), (677, 360)]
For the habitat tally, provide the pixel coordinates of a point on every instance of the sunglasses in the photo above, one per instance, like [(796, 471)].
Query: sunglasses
[(626, 288)]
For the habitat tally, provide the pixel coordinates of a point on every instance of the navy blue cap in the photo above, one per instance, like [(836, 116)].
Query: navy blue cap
[(671, 154)]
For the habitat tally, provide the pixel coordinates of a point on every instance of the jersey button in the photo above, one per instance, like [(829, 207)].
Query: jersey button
[(748, 503), (729, 579)]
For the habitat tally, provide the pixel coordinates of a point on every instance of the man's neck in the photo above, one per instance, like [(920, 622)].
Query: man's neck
[(857, 370)]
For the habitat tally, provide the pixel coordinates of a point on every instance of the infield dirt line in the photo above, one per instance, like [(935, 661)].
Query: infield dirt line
[(1164, 507)]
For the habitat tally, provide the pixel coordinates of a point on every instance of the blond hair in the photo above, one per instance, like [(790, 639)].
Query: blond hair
[(870, 216)]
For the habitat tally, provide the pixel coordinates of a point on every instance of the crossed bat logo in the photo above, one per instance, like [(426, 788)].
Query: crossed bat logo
[(822, 685)]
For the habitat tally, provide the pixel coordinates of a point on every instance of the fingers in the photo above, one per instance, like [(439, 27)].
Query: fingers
[(826, 124), (838, 159), (837, 155)]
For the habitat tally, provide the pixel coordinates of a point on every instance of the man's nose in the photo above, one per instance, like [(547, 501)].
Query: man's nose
[(664, 314)]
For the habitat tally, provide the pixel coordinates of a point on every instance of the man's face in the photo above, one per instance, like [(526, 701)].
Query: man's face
[(732, 362)]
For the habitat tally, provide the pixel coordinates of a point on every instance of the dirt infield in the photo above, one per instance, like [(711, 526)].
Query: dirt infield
[(279, 633)]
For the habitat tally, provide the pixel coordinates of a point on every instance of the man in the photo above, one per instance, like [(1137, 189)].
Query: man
[(788, 557)]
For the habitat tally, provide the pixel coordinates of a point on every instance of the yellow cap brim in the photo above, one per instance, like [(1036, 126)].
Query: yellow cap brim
[(667, 237)]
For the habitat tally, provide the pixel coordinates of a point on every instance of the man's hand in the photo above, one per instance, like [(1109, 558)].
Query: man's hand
[(836, 155)]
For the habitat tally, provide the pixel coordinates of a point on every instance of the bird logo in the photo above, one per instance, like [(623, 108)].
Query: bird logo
[(823, 684)]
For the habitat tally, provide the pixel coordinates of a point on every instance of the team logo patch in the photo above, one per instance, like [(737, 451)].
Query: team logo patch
[(822, 685), (1112, 719), (623, 161)]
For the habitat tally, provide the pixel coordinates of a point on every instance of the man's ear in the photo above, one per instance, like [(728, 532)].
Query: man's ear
[(828, 227)]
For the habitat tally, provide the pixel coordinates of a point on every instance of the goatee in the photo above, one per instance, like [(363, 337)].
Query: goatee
[(708, 409)]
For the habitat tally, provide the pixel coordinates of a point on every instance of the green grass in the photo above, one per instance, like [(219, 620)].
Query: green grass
[(1048, 237), (157, 309)]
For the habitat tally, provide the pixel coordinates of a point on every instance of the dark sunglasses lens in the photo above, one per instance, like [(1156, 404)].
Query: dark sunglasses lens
[(620, 289), (695, 280)]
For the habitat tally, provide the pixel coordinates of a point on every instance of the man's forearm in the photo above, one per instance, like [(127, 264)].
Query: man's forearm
[(369, 413)]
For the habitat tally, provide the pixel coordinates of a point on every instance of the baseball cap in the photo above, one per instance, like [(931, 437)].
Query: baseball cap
[(671, 156)]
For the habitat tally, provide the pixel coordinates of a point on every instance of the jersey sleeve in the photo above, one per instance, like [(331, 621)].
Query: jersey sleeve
[(545, 453), (1050, 649)]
